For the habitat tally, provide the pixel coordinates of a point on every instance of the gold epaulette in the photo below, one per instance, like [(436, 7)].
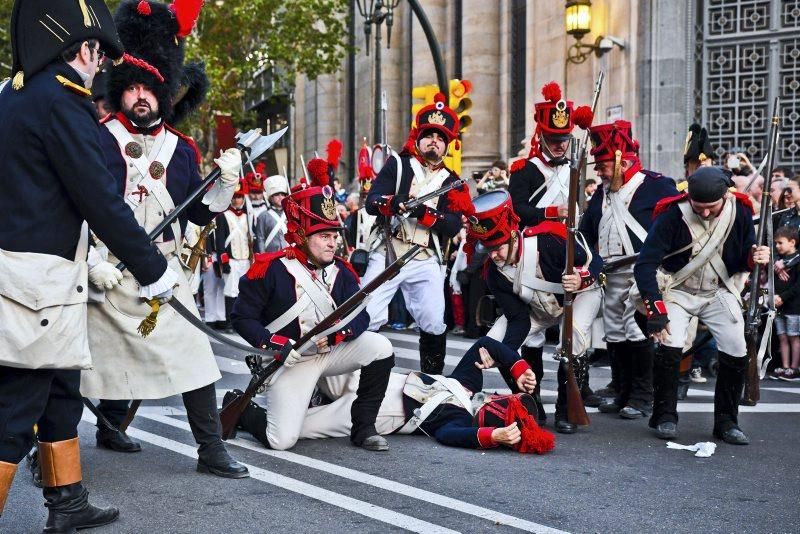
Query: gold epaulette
[(74, 87)]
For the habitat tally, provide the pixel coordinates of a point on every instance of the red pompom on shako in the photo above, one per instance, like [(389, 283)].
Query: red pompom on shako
[(503, 410)]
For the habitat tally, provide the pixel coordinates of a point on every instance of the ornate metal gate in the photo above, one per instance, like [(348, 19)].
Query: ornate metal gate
[(748, 53)]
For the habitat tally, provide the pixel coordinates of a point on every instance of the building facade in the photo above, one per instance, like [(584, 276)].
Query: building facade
[(667, 64)]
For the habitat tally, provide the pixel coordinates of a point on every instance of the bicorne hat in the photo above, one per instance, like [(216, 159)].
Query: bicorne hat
[(42, 29)]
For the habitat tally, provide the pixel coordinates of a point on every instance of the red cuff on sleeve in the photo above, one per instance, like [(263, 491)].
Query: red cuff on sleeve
[(385, 206), (750, 262), (429, 219), (519, 368), (485, 437), (224, 258), (340, 336), (586, 278), (551, 212), (278, 340)]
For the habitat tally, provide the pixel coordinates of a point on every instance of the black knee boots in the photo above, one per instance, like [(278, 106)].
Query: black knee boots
[(201, 410), (728, 391), (666, 365), (371, 390), (432, 350)]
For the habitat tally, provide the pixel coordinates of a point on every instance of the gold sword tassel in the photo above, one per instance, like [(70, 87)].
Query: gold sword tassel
[(148, 324)]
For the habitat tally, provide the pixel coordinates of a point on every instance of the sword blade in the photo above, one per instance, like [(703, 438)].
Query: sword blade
[(200, 325)]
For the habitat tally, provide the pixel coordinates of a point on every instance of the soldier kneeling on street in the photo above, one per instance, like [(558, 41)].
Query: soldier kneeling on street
[(283, 296)]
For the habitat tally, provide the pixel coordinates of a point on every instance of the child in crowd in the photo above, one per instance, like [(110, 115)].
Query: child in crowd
[(787, 301)]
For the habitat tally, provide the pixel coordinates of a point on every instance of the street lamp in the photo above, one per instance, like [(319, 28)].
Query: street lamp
[(376, 13), (578, 22)]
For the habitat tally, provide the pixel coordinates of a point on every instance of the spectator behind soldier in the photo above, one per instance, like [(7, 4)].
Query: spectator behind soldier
[(590, 188), (787, 202), (494, 178), (776, 189), (783, 173), (787, 301), (792, 218)]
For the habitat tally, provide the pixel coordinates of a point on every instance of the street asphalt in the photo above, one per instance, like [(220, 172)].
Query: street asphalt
[(613, 476)]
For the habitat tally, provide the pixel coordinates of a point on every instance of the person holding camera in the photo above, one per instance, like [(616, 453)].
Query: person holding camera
[(494, 178)]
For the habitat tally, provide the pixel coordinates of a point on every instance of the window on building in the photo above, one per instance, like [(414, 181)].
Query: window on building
[(747, 53)]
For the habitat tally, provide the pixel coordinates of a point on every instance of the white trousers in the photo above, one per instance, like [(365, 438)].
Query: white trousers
[(719, 311), (290, 389), (213, 297), (238, 269), (584, 310), (618, 309), (422, 284), (333, 420)]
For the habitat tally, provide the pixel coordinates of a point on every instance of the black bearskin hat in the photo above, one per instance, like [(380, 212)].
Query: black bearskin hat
[(154, 34), (698, 146)]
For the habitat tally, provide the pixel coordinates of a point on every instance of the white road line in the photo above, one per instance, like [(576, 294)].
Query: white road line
[(414, 338), (371, 480), (308, 490), (230, 365), (796, 391)]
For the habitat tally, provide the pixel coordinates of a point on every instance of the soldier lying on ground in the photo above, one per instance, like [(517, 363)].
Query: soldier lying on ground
[(452, 409)]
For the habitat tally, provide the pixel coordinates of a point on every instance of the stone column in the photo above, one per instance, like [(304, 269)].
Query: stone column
[(481, 65), (663, 86)]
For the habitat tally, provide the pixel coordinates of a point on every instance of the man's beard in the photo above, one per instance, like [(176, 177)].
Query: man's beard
[(432, 156), (140, 119)]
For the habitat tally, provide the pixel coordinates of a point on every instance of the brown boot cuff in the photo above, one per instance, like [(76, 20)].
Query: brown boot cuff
[(7, 472), (61, 462)]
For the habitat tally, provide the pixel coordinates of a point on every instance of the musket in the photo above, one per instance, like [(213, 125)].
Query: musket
[(595, 97), (752, 392), (230, 413), (199, 249), (576, 411), (252, 144), (412, 204), (619, 263)]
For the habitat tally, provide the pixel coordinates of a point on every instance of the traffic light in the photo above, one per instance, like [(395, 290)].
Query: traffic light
[(459, 102), (422, 96)]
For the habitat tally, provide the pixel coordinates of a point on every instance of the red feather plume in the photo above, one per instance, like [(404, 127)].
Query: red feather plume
[(534, 438), (144, 8), (551, 91), (583, 117), (334, 150), (186, 13), (318, 172), (458, 200)]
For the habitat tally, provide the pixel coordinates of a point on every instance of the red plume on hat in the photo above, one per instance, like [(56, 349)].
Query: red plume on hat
[(318, 172), (334, 150), (186, 13), (583, 117), (458, 200), (551, 91)]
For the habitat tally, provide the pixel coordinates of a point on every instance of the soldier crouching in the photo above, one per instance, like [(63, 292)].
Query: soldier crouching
[(287, 293), (698, 246)]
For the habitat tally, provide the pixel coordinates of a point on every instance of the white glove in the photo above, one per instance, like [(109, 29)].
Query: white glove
[(161, 289), (230, 162), (292, 358), (105, 276), (218, 198)]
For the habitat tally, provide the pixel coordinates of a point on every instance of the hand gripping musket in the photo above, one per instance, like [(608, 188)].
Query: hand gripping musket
[(199, 249), (755, 351), (576, 411), (230, 413), (252, 144)]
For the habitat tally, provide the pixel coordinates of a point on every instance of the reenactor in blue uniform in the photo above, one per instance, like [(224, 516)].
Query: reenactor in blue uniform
[(616, 223), (284, 295), (50, 156), (539, 184), (694, 264), (418, 169), (525, 273)]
